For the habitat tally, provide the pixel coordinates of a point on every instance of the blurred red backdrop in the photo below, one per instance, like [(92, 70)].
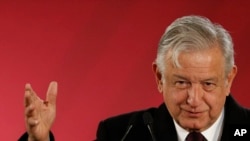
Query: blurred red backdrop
[(100, 52)]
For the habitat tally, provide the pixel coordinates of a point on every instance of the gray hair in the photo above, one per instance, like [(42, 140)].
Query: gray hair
[(193, 33)]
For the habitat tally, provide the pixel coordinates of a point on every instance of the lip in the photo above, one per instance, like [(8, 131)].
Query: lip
[(193, 114), (196, 112)]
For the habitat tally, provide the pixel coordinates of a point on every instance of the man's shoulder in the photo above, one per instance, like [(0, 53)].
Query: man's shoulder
[(236, 117), (236, 113)]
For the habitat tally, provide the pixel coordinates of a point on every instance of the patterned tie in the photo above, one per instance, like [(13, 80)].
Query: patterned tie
[(195, 136)]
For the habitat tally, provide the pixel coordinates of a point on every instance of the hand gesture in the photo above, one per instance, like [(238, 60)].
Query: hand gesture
[(40, 114)]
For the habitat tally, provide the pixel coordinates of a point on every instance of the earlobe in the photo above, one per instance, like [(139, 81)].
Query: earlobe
[(158, 76), (160, 88)]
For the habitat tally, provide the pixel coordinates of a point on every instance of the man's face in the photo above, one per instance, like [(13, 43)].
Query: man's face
[(195, 93)]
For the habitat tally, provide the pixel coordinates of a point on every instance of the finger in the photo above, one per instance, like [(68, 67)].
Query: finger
[(29, 111), (52, 93), (28, 95)]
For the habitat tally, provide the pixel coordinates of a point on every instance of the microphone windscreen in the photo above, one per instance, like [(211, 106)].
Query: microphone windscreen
[(147, 118), (132, 119)]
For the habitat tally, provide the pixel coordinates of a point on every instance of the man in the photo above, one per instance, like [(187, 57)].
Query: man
[(194, 71)]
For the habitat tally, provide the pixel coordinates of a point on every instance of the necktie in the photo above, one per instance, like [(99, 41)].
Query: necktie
[(195, 136)]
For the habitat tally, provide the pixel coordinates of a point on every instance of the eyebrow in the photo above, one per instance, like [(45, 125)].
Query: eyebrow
[(207, 79), (179, 76)]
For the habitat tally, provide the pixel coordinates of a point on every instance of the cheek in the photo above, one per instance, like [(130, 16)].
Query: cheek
[(174, 98), (216, 102)]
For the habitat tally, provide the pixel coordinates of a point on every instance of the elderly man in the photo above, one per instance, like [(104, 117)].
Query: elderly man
[(194, 70)]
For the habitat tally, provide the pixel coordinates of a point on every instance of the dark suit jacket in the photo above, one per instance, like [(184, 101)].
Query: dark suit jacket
[(114, 128)]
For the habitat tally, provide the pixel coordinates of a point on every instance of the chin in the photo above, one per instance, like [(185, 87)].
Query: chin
[(193, 126)]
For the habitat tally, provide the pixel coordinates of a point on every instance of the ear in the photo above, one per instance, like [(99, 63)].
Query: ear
[(230, 77), (158, 77)]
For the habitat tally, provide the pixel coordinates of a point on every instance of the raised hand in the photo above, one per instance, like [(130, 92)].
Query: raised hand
[(40, 114)]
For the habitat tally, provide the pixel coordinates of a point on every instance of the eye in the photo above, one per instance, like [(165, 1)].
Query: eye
[(209, 86), (182, 84)]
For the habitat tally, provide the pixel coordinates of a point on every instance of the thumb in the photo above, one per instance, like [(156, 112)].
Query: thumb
[(52, 93)]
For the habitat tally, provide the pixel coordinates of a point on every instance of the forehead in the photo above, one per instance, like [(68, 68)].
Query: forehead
[(201, 62), (211, 57)]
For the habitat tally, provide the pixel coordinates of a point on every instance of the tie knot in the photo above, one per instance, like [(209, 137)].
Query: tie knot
[(195, 136)]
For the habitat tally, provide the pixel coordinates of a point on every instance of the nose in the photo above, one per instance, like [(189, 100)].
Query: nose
[(195, 95)]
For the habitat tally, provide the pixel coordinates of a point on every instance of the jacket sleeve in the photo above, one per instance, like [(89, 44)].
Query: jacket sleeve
[(24, 137)]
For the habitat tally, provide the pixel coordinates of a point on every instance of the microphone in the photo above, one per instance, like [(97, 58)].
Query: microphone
[(148, 121), (130, 125)]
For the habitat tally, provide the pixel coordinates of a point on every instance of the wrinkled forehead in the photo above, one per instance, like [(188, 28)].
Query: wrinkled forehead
[(191, 56)]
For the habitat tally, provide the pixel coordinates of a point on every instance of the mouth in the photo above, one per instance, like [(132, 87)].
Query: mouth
[(194, 114)]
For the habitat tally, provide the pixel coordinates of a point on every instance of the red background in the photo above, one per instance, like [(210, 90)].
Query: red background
[(100, 52)]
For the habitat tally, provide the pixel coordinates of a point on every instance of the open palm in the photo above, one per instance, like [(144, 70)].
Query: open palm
[(40, 114)]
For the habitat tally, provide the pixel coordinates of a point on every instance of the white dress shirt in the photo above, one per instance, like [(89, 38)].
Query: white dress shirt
[(213, 133)]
